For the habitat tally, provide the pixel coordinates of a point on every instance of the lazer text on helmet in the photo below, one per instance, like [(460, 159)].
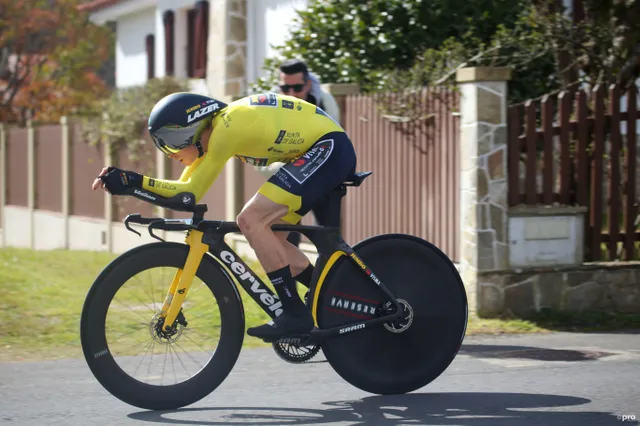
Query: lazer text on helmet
[(202, 111)]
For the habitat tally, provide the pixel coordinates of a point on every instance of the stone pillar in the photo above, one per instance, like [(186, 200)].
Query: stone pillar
[(226, 49), (483, 180), (227, 80)]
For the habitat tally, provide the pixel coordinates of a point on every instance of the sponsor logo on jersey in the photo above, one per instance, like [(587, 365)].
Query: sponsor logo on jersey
[(280, 137), (265, 99), (309, 162), (144, 195), (287, 104), (226, 120)]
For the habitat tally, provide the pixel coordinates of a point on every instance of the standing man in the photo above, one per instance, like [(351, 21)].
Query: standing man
[(296, 80)]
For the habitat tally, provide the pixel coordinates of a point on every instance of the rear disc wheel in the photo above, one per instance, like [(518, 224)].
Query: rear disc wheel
[(406, 354)]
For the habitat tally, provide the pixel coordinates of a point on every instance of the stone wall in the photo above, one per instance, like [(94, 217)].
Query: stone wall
[(598, 286)]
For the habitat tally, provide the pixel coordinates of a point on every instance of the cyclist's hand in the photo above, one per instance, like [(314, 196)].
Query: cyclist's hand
[(98, 183), (116, 181)]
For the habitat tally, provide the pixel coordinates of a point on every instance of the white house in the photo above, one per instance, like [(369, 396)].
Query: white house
[(268, 24), (219, 44)]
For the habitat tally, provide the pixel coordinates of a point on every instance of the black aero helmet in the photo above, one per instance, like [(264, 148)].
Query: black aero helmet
[(176, 119)]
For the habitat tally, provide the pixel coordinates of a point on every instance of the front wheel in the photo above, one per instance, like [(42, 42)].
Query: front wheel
[(130, 353), (406, 355)]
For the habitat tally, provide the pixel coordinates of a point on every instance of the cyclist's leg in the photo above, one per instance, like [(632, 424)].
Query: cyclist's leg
[(299, 185), (327, 164), (255, 222)]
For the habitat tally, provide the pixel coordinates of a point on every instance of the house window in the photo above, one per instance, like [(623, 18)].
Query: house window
[(197, 37), (151, 57), (168, 19)]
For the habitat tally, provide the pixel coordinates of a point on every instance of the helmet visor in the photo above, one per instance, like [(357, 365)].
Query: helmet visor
[(172, 138)]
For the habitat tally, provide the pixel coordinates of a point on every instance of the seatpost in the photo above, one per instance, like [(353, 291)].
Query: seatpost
[(333, 210)]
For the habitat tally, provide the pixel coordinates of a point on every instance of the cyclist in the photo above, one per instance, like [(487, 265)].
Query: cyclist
[(203, 133)]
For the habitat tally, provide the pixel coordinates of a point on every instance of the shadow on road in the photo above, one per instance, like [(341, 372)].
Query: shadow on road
[(460, 409), (529, 352)]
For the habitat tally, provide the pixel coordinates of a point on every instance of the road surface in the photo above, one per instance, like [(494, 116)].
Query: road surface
[(524, 380)]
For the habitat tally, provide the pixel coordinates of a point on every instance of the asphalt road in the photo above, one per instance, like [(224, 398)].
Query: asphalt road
[(547, 380)]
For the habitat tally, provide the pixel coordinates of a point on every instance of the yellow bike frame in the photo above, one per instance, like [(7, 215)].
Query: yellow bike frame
[(183, 278)]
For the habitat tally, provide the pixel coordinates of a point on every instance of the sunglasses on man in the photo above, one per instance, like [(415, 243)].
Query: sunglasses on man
[(296, 87)]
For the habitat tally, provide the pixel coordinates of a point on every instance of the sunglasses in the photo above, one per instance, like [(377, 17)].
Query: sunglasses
[(296, 87)]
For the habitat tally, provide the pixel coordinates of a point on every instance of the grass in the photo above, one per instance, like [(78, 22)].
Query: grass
[(43, 292)]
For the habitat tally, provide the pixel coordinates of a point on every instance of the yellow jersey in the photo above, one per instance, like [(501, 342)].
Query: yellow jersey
[(258, 130)]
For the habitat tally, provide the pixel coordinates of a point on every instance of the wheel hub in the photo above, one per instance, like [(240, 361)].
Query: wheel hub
[(171, 334), (402, 323)]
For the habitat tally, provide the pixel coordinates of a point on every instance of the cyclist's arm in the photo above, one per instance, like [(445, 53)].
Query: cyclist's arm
[(196, 178)]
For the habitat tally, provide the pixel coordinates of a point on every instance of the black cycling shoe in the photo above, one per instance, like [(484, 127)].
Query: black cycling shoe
[(285, 325)]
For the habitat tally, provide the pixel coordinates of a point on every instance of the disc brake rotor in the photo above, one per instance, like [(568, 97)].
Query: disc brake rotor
[(400, 325)]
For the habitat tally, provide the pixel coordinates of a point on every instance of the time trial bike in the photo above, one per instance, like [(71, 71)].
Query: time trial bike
[(390, 312)]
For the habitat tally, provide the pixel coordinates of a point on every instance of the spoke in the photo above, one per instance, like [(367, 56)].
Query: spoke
[(164, 279), (137, 343), (181, 363), (153, 345), (164, 364), (199, 316), (144, 326), (145, 353), (173, 367), (151, 287), (150, 308), (188, 354), (194, 331), (195, 343), (127, 307)]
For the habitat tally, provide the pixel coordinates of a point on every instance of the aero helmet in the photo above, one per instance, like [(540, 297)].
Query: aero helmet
[(175, 121)]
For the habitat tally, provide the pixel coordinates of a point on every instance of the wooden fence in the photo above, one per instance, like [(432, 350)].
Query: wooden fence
[(580, 149), (413, 189)]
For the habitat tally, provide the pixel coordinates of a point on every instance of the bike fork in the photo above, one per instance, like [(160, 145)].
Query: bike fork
[(183, 278)]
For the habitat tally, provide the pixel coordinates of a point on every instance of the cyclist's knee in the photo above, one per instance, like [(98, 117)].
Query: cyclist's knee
[(260, 213), (248, 220)]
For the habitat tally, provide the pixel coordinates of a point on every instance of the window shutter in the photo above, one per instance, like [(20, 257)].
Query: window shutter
[(191, 41), (151, 57), (201, 37), (168, 20)]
